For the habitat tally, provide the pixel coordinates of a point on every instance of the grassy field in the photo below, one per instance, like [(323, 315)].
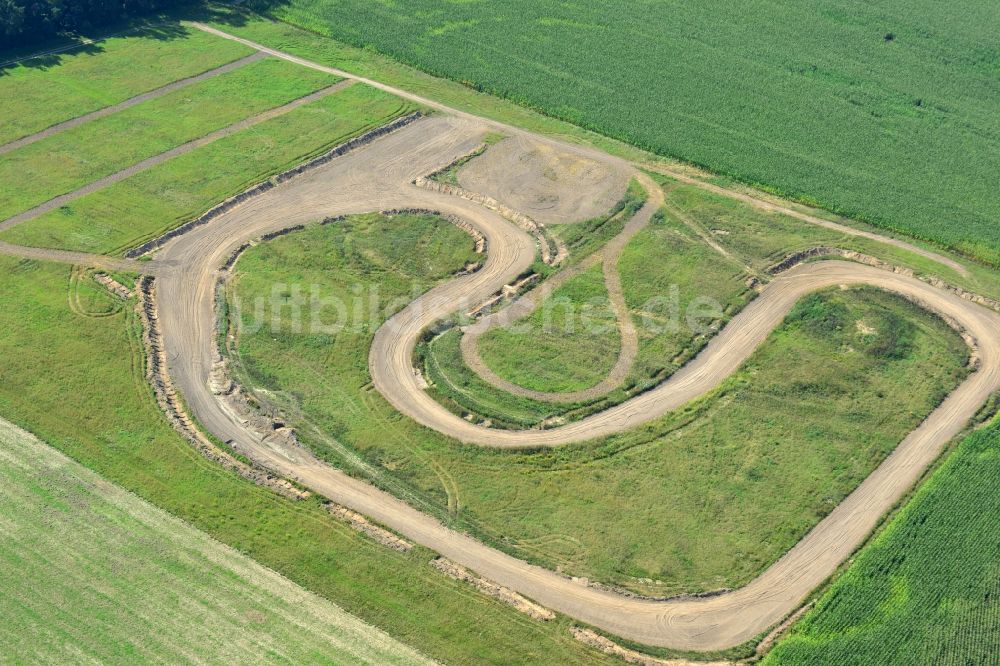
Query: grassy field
[(925, 591), (127, 441), (759, 239), (91, 572), (462, 391), (761, 94), (569, 343), (46, 90), (778, 445), (670, 278), (153, 201), (68, 160)]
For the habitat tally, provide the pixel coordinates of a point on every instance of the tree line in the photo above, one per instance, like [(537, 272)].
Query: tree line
[(24, 22)]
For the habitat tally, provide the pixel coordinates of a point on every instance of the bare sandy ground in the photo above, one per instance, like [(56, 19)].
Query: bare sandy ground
[(544, 182)]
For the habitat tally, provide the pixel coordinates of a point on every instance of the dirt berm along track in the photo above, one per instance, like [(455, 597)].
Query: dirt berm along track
[(378, 177)]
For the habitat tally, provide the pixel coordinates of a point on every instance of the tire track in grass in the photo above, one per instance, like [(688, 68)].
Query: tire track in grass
[(83, 258), (608, 257)]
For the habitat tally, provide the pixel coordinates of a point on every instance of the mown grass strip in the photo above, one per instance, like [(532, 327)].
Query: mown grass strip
[(68, 160), (154, 201), (90, 571), (130, 102), (40, 92)]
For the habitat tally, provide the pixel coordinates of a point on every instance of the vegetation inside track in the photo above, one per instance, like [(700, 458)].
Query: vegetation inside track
[(588, 509), (546, 352)]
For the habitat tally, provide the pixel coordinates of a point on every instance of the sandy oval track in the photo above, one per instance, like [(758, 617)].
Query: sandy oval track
[(378, 177)]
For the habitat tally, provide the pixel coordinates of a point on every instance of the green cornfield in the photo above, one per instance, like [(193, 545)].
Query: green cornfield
[(883, 111), (927, 590)]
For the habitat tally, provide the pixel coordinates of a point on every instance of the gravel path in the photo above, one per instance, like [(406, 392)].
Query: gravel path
[(84, 259)]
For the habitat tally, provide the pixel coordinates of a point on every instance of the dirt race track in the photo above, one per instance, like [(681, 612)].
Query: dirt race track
[(379, 176)]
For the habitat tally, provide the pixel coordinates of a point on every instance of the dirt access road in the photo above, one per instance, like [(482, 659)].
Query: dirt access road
[(378, 176)]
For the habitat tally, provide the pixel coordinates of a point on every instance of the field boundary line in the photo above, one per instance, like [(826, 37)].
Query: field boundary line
[(176, 151), (130, 102)]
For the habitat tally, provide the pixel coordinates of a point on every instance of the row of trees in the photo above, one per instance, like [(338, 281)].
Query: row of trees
[(28, 21)]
